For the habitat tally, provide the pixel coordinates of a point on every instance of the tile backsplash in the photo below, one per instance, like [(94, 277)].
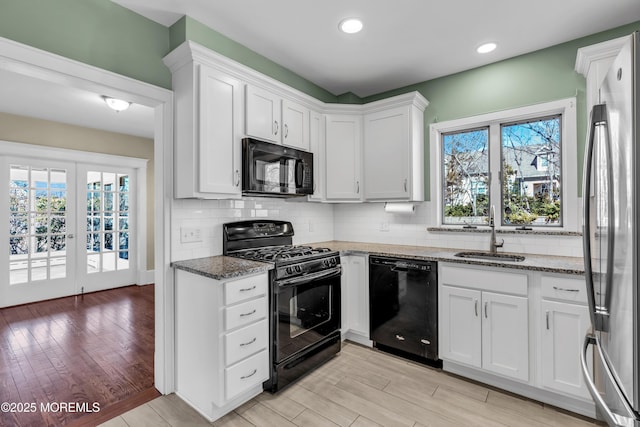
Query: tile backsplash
[(362, 222)]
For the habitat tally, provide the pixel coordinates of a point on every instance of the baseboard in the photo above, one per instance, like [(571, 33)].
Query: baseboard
[(147, 277)]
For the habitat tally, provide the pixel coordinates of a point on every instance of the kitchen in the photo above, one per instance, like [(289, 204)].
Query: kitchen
[(368, 222)]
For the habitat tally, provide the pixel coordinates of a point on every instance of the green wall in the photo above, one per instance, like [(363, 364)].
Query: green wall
[(541, 76), (188, 28), (96, 32)]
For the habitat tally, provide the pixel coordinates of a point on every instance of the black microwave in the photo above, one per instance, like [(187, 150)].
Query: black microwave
[(275, 170)]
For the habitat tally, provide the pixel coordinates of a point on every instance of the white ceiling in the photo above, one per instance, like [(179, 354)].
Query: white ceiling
[(403, 41)]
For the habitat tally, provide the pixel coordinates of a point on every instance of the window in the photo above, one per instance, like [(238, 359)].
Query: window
[(516, 160)]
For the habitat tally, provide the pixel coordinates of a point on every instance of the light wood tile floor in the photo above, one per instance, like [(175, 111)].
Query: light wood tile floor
[(366, 388)]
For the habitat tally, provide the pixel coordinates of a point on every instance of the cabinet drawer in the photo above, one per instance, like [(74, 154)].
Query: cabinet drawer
[(485, 280), (565, 289), (246, 374), (245, 288), (245, 342), (245, 313)]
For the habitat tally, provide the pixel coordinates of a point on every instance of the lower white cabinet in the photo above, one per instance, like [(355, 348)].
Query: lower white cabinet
[(222, 336), (564, 320), (355, 298), (486, 330)]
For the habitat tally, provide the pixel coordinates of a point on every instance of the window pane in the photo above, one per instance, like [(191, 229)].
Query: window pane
[(466, 176), (531, 172)]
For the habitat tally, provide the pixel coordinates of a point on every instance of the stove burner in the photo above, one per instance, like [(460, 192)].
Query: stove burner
[(274, 253)]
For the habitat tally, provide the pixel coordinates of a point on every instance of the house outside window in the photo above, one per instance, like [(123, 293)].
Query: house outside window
[(522, 161)]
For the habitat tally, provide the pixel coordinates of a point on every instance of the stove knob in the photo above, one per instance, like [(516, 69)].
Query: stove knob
[(332, 262), (298, 269), (289, 270), (325, 262)]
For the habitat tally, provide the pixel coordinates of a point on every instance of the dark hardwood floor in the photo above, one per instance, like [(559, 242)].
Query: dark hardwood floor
[(70, 359)]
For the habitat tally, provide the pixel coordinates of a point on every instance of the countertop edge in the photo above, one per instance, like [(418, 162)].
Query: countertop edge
[(222, 267)]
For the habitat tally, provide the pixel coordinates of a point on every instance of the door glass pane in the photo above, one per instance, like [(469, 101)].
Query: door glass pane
[(107, 221), (37, 223)]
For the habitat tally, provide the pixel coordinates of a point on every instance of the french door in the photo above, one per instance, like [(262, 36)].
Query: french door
[(72, 229)]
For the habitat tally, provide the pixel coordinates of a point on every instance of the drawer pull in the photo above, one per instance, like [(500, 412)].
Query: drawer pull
[(566, 289), (248, 289), (250, 375), (425, 342), (248, 314), (399, 337), (248, 343)]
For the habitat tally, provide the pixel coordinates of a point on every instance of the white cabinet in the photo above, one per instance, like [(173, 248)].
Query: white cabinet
[(394, 149), (272, 118), (355, 298), (208, 117), (317, 147), (483, 320), (222, 336), (564, 321), (343, 147)]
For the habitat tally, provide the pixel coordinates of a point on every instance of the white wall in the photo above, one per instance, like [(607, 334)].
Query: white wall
[(312, 222)]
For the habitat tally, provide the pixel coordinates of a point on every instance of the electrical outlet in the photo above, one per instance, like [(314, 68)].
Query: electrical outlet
[(190, 235), (384, 226)]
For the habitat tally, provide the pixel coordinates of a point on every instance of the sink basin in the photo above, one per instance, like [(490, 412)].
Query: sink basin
[(494, 256)]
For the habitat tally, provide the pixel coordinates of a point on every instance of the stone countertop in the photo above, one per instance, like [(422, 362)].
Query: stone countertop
[(546, 263), (222, 267)]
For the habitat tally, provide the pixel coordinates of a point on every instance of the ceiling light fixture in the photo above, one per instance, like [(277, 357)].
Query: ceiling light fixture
[(486, 48), (116, 104), (350, 25)]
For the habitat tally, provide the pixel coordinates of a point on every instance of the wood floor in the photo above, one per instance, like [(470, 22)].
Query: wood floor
[(365, 388), (84, 350)]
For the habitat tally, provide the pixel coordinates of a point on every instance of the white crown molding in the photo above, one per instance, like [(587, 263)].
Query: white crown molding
[(596, 52)]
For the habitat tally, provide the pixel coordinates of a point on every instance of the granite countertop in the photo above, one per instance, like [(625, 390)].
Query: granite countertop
[(222, 267), (547, 263)]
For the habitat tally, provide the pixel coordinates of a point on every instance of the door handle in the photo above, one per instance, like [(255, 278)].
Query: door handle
[(547, 316), (476, 307), (286, 130), (399, 337), (486, 316), (237, 177), (275, 127)]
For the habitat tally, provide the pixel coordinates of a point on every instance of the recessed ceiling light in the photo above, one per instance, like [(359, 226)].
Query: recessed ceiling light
[(116, 104), (350, 25), (486, 48)]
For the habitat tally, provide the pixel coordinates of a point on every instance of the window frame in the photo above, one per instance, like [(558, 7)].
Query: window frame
[(566, 108)]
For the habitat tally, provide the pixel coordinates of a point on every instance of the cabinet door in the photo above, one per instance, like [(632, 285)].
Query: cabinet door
[(358, 296), (460, 330), (220, 105), (343, 157), (316, 144), (387, 169), (295, 125), (263, 113), (505, 335), (563, 329)]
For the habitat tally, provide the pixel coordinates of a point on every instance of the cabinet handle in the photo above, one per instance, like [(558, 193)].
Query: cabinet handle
[(566, 289), (248, 289), (399, 337), (286, 130), (237, 177), (250, 375), (357, 187), (248, 314), (486, 316), (243, 344), (547, 315), (405, 185), (425, 342), (275, 127), (476, 307)]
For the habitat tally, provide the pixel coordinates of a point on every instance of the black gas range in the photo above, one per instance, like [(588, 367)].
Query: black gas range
[(304, 298)]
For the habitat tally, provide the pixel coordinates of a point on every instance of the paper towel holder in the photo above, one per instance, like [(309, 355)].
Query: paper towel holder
[(400, 207)]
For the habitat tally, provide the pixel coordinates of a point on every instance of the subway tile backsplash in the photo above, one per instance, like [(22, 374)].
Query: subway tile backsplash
[(362, 222)]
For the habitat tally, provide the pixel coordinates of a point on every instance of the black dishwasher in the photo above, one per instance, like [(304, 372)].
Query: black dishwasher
[(403, 303)]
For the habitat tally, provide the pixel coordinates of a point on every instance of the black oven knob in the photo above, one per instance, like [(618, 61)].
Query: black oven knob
[(298, 269), (289, 270)]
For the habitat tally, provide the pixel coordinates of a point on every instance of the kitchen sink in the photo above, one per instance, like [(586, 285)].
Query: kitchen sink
[(494, 256)]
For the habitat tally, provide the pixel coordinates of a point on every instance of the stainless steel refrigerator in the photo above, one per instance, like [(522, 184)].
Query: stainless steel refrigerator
[(611, 194)]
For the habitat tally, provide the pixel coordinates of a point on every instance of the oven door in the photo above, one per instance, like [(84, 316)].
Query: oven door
[(271, 169), (307, 310)]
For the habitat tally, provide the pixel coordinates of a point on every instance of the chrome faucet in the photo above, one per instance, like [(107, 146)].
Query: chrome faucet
[(493, 245)]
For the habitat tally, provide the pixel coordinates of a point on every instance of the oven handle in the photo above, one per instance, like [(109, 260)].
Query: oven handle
[(299, 280)]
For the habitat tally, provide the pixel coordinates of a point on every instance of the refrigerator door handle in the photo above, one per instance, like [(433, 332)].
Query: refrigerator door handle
[(611, 418), (598, 118)]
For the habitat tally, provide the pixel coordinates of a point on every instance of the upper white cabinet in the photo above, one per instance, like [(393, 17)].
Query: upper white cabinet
[(272, 118), (394, 149), (208, 131), (343, 148), (317, 147)]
